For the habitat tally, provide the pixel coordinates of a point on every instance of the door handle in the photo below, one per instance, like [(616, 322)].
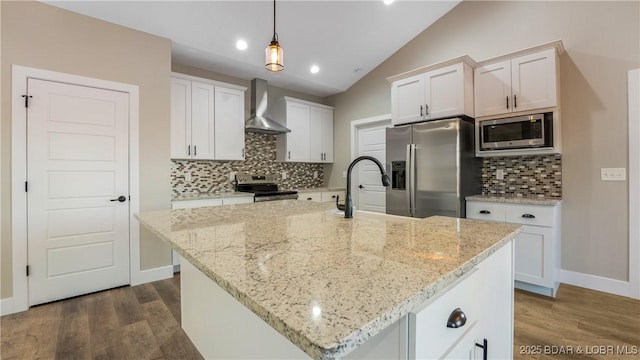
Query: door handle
[(360, 186), (120, 198)]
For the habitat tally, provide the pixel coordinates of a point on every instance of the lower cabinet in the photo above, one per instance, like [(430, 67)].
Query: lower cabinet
[(192, 204), (537, 248), (321, 196), (484, 297)]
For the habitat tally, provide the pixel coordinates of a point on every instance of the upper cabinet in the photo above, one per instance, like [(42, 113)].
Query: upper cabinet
[(311, 136), (207, 119), (523, 83), (434, 92)]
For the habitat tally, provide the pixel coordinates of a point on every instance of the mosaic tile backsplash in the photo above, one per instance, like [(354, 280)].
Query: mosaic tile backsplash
[(260, 157), (524, 176)]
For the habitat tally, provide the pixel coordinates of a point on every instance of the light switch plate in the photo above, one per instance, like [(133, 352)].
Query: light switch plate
[(284, 175), (315, 174), (232, 175), (613, 174), (187, 176), (500, 174)]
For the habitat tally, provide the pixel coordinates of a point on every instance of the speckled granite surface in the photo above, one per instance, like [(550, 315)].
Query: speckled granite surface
[(516, 200), (211, 195), (285, 259)]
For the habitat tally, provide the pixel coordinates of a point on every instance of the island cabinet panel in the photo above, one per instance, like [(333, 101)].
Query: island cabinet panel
[(485, 297)]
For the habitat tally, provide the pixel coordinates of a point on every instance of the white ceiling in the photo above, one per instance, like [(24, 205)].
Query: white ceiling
[(337, 36)]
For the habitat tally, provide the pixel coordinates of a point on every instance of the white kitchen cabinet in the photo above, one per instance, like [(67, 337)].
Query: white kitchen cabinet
[(537, 247), (321, 135), (229, 122), (523, 83), (311, 136), (475, 295), (435, 94), (207, 119)]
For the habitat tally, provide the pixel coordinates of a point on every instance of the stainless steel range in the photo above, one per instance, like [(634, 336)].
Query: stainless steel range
[(263, 186)]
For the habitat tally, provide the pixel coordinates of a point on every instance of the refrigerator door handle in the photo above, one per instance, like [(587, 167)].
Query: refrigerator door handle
[(412, 184), (407, 179)]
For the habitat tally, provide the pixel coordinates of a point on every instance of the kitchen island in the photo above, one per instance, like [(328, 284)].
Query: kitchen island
[(293, 279)]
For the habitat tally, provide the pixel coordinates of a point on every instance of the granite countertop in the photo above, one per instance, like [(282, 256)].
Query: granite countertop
[(211, 195), (516, 200), (364, 273)]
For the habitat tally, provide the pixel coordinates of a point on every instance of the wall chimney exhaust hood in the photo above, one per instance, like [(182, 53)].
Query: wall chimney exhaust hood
[(258, 122)]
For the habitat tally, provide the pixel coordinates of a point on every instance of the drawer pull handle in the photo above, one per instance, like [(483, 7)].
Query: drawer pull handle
[(528, 216), (309, 199), (456, 319), (485, 348), (485, 212)]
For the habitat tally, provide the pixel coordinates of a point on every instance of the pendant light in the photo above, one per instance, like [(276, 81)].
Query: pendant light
[(273, 53)]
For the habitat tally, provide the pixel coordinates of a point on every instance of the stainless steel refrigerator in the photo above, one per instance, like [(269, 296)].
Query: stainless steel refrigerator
[(432, 167)]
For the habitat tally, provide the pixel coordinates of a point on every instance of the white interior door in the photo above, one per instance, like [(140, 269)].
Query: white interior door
[(77, 164), (371, 196)]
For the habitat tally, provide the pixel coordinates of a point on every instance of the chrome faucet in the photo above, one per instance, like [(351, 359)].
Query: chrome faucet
[(348, 205)]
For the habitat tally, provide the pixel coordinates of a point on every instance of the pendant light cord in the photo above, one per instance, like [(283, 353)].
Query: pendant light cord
[(275, 35)]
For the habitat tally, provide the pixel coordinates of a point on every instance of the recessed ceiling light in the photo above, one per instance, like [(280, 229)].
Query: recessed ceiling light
[(388, 2), (314, 69), (241, 45)]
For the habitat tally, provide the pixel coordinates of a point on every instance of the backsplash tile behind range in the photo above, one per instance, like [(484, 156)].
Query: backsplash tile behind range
[(525, 176), (260, 157)]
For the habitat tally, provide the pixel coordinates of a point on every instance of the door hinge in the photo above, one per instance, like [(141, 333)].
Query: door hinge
[(26, 186), (26, 100), (28, 270)]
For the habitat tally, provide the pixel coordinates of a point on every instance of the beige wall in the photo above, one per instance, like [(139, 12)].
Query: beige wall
[(602, 41), (40, 36)]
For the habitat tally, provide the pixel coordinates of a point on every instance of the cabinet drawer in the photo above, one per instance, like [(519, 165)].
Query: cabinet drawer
[(530, 215), (486, 211), (310, 196), (433, 338), (330, 196), (188, 204)]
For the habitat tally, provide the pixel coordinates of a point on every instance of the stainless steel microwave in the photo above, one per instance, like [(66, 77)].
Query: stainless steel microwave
[(520, 132)]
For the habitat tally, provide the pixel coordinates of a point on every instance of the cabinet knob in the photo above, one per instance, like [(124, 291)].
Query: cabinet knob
[(426, 109), (507, 102), (189, 150), (289, 155), (420, 110), (515, 101), (486, 212), (309, 199), (456, 319), (528, 216)]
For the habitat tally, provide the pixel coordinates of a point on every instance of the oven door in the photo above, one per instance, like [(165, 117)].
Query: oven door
[(512, 133)]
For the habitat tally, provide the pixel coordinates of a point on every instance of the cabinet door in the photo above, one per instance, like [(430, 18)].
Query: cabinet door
[(407, 98), (492, 89), (202, 121), (533, 81), (533, 256), (180, 118), (298, 117), (444, 92), (316, 143), (229, 124), (327, 134)]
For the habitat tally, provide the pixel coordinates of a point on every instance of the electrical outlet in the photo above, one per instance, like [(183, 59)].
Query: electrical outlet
[(344, 174), (187, 176), (613, 174), (500, 174), (284, 175), (232, 175), (315, 174)]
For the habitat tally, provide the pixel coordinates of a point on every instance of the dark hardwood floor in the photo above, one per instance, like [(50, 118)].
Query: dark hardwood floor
[(142, 322)]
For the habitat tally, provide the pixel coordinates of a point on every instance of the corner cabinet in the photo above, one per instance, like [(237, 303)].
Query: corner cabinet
[(207, 119), (537, 247), (435, 92), (521, 83), (311, 136)]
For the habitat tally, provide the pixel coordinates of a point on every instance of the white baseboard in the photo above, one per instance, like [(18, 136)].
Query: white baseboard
[(593, 282), (156, 274), (6, 306)]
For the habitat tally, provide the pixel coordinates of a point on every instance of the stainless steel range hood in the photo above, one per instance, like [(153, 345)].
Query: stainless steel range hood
[(258, 122)]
